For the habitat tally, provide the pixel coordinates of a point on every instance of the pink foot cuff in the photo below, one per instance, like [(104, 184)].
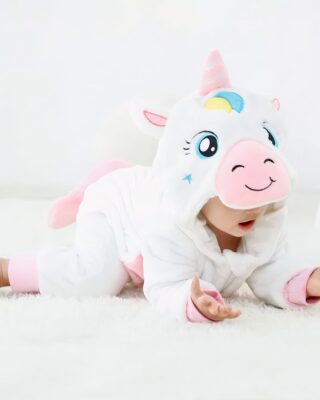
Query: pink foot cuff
[(23, 274)]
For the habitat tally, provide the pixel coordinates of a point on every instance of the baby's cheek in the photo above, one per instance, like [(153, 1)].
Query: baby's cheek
[(228, 223), (236, 230), (235, 217)]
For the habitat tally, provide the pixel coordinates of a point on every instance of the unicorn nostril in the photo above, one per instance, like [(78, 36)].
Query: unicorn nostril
[(268, 159)]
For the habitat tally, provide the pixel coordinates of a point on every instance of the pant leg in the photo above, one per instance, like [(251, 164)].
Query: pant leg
[(90, 268)]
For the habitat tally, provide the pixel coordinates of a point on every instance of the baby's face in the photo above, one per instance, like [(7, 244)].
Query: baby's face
[(229, 220)]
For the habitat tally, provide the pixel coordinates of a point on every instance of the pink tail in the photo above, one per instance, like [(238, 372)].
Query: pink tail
[(64, 210)]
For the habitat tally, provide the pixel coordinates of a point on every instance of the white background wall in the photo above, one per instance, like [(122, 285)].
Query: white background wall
[(65, 63)]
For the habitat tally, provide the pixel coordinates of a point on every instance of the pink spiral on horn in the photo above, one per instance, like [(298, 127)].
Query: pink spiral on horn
[(215, 75)]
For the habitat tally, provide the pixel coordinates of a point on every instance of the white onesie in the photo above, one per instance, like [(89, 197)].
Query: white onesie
[(143, 224)]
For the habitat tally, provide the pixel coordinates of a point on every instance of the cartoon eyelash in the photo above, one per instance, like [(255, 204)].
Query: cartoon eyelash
[(186, 148), (272, 136)]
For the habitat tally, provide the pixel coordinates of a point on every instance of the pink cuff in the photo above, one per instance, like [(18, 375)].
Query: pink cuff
[(23, 274), (295, 290), (194, 315)]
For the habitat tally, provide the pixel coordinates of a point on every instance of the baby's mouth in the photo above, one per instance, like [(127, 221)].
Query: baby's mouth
[(247, 224)]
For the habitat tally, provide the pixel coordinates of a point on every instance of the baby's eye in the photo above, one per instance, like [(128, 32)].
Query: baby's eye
[(207, 144), (271, 135)]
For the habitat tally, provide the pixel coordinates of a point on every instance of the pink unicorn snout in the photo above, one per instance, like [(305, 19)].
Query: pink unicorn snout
[(251, 174)]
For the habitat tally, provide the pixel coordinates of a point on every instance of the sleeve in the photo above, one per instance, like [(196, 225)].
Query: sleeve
[(295, 290), (281, 281), (169, 264)]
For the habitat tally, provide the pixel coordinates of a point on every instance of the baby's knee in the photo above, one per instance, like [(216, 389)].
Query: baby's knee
[(100, 283)]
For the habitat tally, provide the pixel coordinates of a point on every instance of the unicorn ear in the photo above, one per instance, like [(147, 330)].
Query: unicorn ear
[(215, 75), (155, 119), (150, 116), (276, 103)]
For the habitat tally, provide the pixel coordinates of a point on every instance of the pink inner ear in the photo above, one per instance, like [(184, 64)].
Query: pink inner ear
[(155, 119), (276, 103)]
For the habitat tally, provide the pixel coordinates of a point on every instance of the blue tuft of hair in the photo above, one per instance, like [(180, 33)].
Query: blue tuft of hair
[(235, 100)]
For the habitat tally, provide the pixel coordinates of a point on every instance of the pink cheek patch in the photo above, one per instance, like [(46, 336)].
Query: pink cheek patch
[(251, 174)]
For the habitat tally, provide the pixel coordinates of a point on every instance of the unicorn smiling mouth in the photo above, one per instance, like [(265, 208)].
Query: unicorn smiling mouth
[(259, 190)]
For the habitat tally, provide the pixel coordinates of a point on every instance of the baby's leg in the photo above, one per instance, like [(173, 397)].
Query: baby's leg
[(91, 268), (4, 278)]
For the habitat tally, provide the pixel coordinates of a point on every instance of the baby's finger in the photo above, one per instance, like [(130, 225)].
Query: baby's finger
[(232, 313), (204, 301), (235, 314), (195, 287), (213, 309), (227, 312), (218, 313), (222, 311)]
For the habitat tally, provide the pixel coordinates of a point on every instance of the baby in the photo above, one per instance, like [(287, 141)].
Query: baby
[(207, 216), (229, 226)]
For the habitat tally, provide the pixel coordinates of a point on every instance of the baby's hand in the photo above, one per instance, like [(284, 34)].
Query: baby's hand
[(208, 306), (313, 284)]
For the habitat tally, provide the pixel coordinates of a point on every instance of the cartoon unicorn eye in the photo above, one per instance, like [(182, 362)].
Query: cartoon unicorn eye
[(207, 144), (271, 136)]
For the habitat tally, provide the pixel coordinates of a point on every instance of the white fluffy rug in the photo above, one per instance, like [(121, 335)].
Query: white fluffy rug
[(118, 348)]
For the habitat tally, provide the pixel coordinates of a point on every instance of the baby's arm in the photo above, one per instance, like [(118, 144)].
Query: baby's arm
[(170, 264), (284, 281)]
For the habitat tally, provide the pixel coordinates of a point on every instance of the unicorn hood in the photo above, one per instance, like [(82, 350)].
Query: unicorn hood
[(221, 141)]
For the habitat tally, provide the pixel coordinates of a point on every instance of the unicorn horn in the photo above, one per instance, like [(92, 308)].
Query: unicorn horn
[(215, 75)]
